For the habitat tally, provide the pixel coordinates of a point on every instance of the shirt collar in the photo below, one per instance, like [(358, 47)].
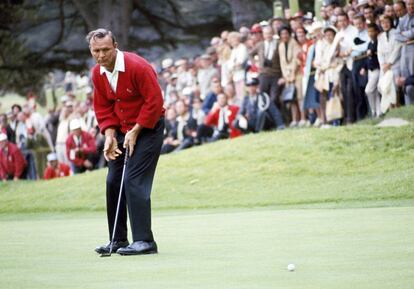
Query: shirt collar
[(119, 63)]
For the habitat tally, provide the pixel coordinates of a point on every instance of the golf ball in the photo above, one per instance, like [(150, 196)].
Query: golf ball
[(291, 267)]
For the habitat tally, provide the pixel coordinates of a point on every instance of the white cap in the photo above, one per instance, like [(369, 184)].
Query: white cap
[(64, 98), (3, 137), (362, 2), (167, 63), (88, 89), (74, 124), (51, 157), (187, 90)]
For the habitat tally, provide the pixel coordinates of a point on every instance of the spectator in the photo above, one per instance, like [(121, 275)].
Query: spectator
[(400, 10), (237, 64), (311, 100), (405, 35), (6, 128), (257, 111), (221, 118), (80, 148), (328, 68), (12, 162), (389, 51), (346, 36), (186, 127), (373, 70), (170, 133), (211, 97), (288, 53), (205, 74), (63, 132), (55, 169), (269, 63), (359, 80)]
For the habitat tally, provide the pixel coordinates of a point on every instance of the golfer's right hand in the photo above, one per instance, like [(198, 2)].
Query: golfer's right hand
[(111, 150)]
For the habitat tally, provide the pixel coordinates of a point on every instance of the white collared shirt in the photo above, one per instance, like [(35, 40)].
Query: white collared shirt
[(269, 48), (119, 66)]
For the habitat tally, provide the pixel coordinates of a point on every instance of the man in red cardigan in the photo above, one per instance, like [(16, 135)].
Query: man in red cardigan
[(12, 162), (80, 147), (221, 117), (129, 108), (55, 169)]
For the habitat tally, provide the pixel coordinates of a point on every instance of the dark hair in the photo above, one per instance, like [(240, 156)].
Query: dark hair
[(16, 105), (100, 33), (373, 26), (344, 15), (369, 7), (285, 27), (402, 3), (360, 17)]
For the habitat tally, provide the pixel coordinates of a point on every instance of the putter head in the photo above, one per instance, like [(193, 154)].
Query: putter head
[(107, 254)]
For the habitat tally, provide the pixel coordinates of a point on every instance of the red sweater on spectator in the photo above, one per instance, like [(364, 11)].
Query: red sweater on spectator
[(12, 162), (137, 99), (63, 170), (81, 150), (212, 119)]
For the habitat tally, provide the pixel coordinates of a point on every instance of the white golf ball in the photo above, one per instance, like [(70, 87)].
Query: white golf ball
[(291, 267)]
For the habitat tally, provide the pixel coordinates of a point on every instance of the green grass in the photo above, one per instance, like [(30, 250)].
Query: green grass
[(292, 167), (337, 203), (404, 112), (245, 249)]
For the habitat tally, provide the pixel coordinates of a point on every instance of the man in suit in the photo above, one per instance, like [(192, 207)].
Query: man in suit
[(129, 109), (257, 110), (269, 63)]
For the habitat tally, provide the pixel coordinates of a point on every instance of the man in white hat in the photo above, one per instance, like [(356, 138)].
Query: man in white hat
[(80, 147), (12, 162), (55, 169)]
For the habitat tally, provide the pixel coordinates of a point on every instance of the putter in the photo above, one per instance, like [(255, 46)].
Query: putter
[(118, 205)]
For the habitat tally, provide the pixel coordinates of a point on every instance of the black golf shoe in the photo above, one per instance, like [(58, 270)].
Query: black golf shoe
[(117, 245), (139, 248)]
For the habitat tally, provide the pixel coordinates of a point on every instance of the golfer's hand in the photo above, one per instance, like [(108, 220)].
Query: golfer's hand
[(131, 138), (111, 150)]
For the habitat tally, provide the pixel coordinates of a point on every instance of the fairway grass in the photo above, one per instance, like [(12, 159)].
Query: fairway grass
[(239, 248)]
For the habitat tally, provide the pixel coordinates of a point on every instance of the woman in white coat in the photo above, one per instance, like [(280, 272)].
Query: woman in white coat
[(389, 51)]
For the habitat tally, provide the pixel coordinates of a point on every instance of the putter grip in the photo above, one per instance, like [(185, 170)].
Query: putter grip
[(126, 156)]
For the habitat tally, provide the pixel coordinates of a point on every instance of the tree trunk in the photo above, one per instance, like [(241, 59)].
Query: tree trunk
[(114, 15)]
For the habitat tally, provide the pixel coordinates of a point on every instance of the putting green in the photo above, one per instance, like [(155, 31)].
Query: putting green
[(331, 248)]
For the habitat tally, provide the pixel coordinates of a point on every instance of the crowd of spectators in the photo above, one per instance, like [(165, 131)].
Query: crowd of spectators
[(357, 61)]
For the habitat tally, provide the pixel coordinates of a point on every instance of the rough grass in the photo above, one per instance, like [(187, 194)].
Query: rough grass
[(292, 167)]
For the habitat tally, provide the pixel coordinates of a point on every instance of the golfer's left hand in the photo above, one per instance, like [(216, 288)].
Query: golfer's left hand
[(131, 138)]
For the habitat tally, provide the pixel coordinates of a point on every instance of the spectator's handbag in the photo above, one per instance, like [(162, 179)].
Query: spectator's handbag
[(320, 82), (334, 108), (289, 93)]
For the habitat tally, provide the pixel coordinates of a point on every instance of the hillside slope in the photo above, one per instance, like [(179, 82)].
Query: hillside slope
[(347, 164)]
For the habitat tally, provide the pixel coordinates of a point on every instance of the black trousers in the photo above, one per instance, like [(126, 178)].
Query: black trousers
[(136, 193), (268, 84), (348, 94), (359, 83)]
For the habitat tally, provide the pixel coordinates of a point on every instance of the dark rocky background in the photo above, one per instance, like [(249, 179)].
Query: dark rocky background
[(38, 36)]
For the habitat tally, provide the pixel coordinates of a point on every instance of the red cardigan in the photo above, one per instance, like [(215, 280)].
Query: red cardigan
[(212, 119), (138, 97), (12, 162), (86, 147), (63, 170)]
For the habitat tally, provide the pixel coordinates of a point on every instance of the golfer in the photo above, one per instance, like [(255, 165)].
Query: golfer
[(129, 109)]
